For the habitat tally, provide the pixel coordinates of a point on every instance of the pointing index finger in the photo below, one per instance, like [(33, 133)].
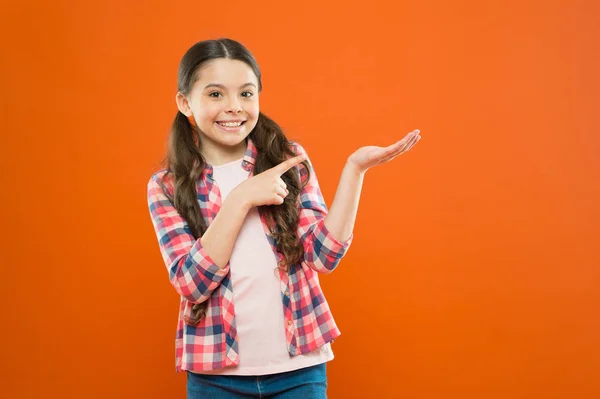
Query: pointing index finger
[(289, 163)]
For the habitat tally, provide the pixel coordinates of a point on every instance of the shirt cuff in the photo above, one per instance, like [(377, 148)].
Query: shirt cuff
[(330, 246), (205, 262)]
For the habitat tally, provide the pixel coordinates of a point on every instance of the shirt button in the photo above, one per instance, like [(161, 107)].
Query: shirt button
[(289, 322), (287, 293)]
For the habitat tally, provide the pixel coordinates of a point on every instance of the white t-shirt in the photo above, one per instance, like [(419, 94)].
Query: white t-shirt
[(257, 295)]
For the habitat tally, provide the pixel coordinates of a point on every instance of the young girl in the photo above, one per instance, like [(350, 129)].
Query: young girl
[(244, 231)]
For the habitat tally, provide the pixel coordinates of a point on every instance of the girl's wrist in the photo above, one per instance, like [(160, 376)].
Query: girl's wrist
[(240, 200), (354, 169)]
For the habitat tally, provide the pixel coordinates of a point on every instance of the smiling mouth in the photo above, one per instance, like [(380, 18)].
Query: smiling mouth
[(231, 124)]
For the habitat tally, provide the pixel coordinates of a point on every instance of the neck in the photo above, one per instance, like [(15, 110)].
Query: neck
[(217, 154)]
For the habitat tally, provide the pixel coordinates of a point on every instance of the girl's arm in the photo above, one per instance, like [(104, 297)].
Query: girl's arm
[(322, 248), (197, 267), (220, 237), (193, 271), (342, 215), (261, 189), (326, 235)]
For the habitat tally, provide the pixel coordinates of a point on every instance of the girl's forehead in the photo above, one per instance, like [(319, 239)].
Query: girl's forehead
[(226, 72)]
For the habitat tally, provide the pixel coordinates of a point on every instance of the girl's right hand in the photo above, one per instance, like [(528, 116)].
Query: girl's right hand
[(267, 188)]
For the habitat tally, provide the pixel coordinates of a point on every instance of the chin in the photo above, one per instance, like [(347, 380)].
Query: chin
[(231, 141)]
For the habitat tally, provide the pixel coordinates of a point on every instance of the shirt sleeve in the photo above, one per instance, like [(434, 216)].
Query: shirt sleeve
[(322, 251), (193, 274)]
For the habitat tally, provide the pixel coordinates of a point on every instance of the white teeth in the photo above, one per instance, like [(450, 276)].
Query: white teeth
[(230, 124)]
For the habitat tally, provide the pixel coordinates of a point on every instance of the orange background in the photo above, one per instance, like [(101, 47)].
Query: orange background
[(475, 267)]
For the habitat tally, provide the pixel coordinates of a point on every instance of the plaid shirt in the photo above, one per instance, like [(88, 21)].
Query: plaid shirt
[(213, 343)]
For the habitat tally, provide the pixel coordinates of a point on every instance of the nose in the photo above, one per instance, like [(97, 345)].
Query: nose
[(234, 105)]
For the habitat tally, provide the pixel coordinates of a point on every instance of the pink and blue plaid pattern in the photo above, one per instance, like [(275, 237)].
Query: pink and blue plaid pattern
[(212, 344)]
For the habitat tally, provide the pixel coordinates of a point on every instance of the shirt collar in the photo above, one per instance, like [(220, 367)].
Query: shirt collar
[(250, 156), (247, 162)]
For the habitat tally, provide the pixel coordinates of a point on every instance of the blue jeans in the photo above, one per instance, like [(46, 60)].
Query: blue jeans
[(304, 383)]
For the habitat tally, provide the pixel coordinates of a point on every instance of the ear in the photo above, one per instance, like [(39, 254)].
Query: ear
[(183, 104)]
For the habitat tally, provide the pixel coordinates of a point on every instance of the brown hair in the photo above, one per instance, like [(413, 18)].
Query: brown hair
[(186, 163)]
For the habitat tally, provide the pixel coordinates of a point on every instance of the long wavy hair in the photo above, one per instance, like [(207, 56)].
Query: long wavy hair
[(186, 163)]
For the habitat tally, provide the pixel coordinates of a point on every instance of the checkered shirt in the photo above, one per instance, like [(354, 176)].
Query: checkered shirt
[(213, 343)]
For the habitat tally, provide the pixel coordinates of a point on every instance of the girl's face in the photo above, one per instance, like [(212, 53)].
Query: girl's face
[(224, 104)]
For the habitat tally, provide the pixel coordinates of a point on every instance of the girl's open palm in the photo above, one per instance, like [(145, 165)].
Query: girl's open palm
[(369, 156)]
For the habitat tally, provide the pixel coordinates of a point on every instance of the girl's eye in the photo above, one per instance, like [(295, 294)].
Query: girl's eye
[(216, 94)]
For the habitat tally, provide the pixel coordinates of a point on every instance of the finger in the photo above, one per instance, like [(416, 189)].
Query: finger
[(400, 143), (413, 143), (407, 145), (404, 141), (412, 135), (282, 192), (281, 182), (277, 200), (284, 188), (398, 150), (288, 164)]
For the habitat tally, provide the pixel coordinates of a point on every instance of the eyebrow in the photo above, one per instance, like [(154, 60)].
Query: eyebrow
[(223, 86)]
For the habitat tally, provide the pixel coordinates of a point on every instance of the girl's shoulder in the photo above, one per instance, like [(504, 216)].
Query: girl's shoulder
[(300, 150), (163, 180), (302, 170), (297, 148)]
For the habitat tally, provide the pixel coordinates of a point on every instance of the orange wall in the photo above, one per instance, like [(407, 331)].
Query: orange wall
[(475, 267)]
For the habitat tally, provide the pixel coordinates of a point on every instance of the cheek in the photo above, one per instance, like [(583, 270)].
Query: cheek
[(253, 110), (209, 113)]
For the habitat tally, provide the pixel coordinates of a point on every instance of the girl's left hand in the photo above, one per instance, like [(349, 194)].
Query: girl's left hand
[(369, 156)]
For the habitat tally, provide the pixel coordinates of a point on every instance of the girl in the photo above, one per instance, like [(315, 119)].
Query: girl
[(244, 231)]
